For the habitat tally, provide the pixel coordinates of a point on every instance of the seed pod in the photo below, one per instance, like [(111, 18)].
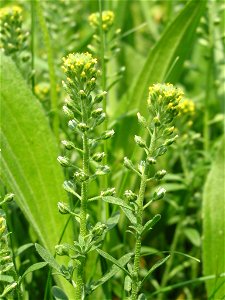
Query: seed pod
[(64, 161), (68, 145), (160, 174), (159, 194), (63, 208)]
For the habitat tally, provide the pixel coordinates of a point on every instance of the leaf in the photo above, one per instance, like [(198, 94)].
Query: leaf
[(154, 267), (113, 260), (48, 257), (129, 215), (214, 225), (6, 278), (23, 248), (193, 235), (113, 220), (122, 261), (33, 268), (59, 293), (175, 42), (28, 157), (116, 201), (148, 225)]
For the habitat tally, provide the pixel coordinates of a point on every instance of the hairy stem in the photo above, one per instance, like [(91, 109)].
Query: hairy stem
[(139, 215)]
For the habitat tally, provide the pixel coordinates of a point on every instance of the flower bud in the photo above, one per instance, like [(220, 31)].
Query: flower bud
[(72, 124), (68, 145), (100, 97), (159, 194), (68, 112), (82, 127), (170, 141), (160, 174), (99, 229), (107, 134), (151, 160), (64, 161), (139, 141), (8, 198), (108, 192), (169, 131), (100, 119), (156, 121), (63, 208), (98, 156), (130, 195), (62, 250), (82, 94), (142, 120), (102, 170), (97, 112), (81, 176), (128, 163)]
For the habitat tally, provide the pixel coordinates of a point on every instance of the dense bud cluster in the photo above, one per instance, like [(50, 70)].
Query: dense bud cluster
[(107, 20), (12, 38)]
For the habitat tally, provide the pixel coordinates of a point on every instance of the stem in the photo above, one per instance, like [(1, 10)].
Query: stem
[(80, 269), (32, 43), (51, 67), (139, 215)]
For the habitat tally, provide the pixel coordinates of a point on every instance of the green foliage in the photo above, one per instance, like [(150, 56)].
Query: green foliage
[(214, 226)]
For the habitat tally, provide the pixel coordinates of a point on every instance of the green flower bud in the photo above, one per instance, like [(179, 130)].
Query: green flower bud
[(63, 208), (99, 229), (81, 176), (160, 174), (156, 121), (97, 112), (142, 120), (100, 119), (68, 112), (83, 127), (98, 157), (103, 170), (64, 161), (128, 163), (170, 141), (140, 142), (82, 94), (68, 145), (151, 160), (168, 131), (62, 250), (159, 194), (100, 97), (108, 192), (72, 124), (130, 195), (107, 134)]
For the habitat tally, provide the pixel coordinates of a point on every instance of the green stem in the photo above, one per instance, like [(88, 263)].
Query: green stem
[(51, 67), (139, 216), (32, 43)]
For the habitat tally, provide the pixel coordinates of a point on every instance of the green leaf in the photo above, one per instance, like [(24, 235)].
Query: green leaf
[(122, 261), (116, 201), (59, 293), (6, 278), (113, 220), (33, 268), (23, 248), (214, 225), (129, 215), (48, 257), (175, 42), (193, 235), (28, 156), (113, 260), (154, 267), (148, 225)]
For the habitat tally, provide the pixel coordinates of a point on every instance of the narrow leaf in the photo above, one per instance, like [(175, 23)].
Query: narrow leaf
[(122, 261), (151, 223), (214, 225), (154, 267), (33, 268), (59, 293), (116, 201), (113, 221), (129, 215), (113, 260), (48, 257)]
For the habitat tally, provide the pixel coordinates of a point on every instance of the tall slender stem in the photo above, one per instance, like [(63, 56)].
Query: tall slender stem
[(139, 215)]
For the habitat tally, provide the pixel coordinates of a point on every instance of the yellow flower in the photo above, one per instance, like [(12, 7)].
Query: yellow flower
[(187, 106), (107, 20), (8, 11)]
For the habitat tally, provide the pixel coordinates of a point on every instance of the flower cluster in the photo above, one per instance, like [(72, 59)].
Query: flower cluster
[(163, 102), (187, 107), (6, 262), (107, 20), (12, 39)]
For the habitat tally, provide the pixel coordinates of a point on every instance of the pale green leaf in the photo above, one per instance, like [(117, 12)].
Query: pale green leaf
[(214, 225), (34, 267)]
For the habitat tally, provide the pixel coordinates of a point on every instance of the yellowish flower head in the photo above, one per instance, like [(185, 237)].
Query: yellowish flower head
[(187, 107), (11, 12), (82, 64), (107, 20)]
